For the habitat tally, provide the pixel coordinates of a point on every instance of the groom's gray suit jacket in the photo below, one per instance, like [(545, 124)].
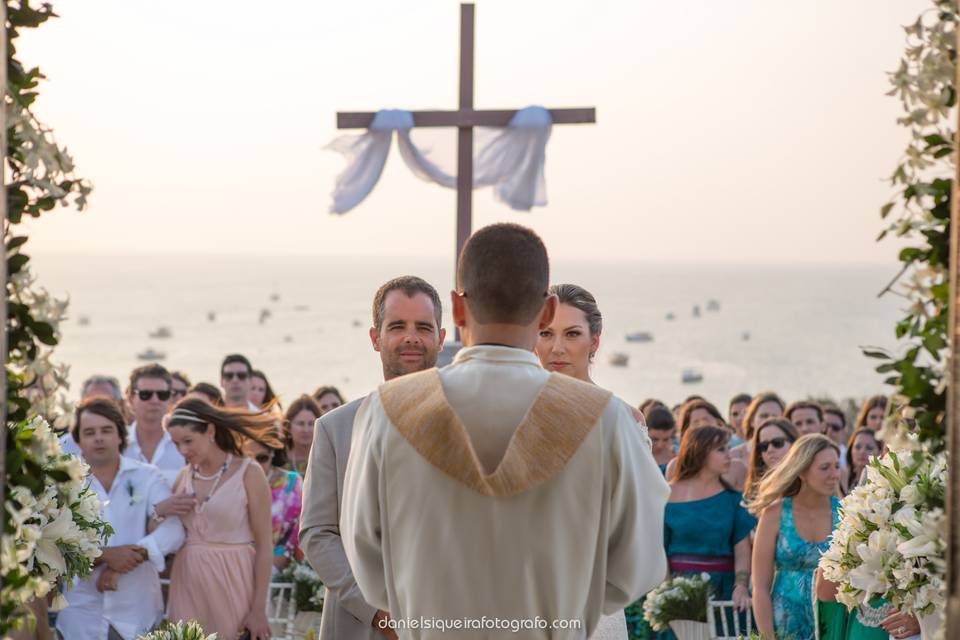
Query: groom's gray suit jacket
[(346, 615)]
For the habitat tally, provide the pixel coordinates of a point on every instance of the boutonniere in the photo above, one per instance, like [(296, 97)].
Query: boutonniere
[(134, 496)]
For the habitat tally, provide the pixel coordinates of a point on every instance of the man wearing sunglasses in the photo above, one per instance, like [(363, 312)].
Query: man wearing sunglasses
[(235, 381), (150, 396)]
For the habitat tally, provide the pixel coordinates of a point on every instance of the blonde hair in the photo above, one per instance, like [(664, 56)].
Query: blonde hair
[(784, 479)]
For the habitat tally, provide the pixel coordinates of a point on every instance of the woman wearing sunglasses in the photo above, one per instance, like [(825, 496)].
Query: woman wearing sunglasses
[(771, 441), (286, 489)]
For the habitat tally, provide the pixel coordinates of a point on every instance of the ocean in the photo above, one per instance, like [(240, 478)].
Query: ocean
[(805, 324)]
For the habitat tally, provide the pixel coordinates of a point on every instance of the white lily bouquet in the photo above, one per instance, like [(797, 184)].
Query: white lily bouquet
[(55, 528), (891, 540), (678, 598), (179, 631)]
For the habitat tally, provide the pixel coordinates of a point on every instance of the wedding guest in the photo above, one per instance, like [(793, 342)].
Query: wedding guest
[(798, 510), (261, 393), (286, 490), (568, 346), (148, 441), (221, 576), (179, 385), (735, 410), (122, 597), (328, 398), (298, 425), (706, 529), (235, 373), (862, 446), (835, 428), (872, 413), (662, 429), (206, 391), (806, 416), (649, 405), (697, 412), (99, 385), (763, 406), (771, 442)]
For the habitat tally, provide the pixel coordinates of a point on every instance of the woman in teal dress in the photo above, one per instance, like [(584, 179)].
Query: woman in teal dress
[(705, 527), (798, 510)]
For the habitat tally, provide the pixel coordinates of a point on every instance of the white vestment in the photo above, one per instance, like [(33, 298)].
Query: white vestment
[(492, 492)]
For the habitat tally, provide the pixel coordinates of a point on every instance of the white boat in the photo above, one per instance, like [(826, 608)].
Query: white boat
[(618, 359), (713, 305), (151, 355), (211, 316), (275, 297), (264, 315), (83, 321), (670, 315), (745, 336), (161, 332), (640, 336), (356, 324), (696, 311), (690, 376)]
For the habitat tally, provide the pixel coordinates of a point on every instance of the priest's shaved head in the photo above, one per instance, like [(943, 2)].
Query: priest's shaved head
[(503, 275)]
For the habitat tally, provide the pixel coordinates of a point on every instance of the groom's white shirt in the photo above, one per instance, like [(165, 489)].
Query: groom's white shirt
[(450, 511)]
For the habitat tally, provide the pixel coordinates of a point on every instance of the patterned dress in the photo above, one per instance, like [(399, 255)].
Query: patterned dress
[(286, 489), (795, 560)]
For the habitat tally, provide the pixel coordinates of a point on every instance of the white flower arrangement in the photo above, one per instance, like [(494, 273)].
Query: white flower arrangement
[(678, 598), (891, 540), (56, 529), (309, 588)]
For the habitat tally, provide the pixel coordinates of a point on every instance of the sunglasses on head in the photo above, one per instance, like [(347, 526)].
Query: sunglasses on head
[(239, 375), (776, 443), (146, 394), (263, 458)]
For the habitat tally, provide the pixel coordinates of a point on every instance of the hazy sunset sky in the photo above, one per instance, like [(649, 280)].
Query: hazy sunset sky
[(737, 131)]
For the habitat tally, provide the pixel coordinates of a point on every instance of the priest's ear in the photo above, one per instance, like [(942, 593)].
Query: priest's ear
[(459, 308), (548, 312)]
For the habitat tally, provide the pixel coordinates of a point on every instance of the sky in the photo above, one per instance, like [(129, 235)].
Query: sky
[(728, 131)]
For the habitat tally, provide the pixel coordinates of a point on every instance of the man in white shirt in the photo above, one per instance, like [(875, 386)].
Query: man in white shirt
[(491, 494), (121, 599), (150, 397), (95, 385)]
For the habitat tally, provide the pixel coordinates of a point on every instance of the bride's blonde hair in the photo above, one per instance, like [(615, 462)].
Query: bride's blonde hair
[(784, 479)]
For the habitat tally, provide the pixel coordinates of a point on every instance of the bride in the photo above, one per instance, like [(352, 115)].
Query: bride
[(568, 346)]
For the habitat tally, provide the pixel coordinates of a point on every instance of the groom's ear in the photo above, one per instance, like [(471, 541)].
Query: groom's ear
[(375, 338), (549, 311)]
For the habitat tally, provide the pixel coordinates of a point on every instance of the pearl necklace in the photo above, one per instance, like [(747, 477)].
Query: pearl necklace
[(215, 477)]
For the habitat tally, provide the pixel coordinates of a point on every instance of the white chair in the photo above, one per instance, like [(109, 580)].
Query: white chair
[(281, 607), (723, 619)]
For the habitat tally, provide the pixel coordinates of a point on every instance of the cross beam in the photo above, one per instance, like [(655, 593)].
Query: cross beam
[(465, 118)]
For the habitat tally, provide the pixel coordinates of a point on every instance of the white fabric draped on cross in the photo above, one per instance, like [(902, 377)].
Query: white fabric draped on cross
[(510, 160)]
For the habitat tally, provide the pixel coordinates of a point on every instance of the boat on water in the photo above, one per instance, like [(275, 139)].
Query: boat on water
[(356, 323), (696, 311), (83, 321), (745, 336), (618, 359), (264, 315), (690, 376), (211, 316), (301, 307), (640, 336), (161, 332), (151, 355), (713, 305), (275, 297), (670, 315)]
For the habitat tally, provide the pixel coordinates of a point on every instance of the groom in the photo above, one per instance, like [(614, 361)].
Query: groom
[(491, 496)]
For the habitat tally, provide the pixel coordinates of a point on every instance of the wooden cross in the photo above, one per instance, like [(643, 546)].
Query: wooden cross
[(465, 119)]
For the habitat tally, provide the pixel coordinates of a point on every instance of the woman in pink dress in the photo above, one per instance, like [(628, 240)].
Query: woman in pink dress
[(221, 576)]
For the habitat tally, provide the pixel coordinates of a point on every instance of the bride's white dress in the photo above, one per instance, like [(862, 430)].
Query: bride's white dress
[(612, 627)]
